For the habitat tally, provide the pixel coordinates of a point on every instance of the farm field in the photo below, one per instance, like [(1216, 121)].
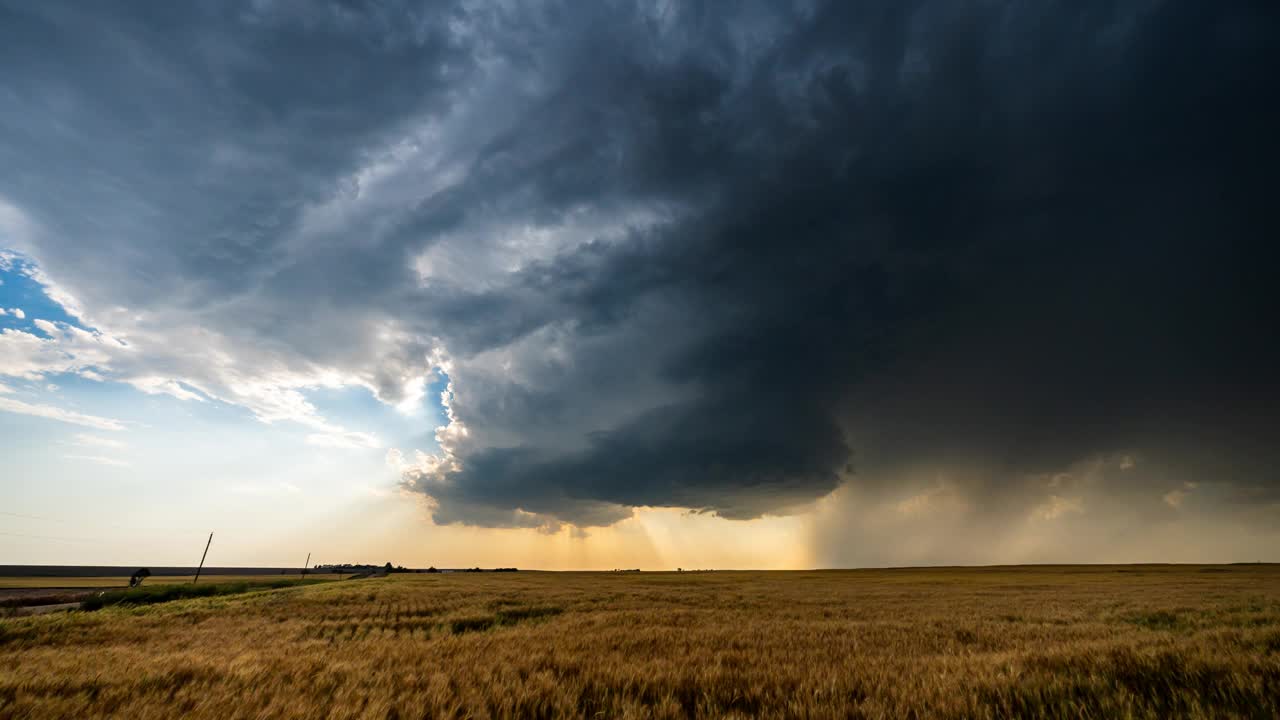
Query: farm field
[(1095, 641), (62, 582), (115, 581)]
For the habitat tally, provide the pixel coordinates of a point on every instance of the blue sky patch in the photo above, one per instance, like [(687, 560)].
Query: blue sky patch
[(19, 290)]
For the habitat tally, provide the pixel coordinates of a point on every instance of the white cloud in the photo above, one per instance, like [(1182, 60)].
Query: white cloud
[(95, 441), (68, 349), (395, 460), (264, 488), (163, 386), (60, 414), (188, 364), (16, 312), (414, 391), (345, 440), (99, 459), (54, 292)]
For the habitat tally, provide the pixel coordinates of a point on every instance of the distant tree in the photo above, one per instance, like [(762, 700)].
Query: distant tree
[(138, 576), (387, 568)]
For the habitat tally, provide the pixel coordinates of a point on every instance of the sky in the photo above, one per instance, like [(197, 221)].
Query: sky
[(644, 284)]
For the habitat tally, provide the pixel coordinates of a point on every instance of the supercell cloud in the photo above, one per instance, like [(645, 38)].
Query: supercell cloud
[(727, 257)]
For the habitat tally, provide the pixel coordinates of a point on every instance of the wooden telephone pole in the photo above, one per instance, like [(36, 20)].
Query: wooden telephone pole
[(306, 565), (202, 557)]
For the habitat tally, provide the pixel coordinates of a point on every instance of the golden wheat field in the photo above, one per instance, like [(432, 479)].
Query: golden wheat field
[(1094, 642)]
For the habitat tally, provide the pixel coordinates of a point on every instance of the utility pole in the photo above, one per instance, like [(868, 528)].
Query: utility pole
[(306, 565), (202, 557)]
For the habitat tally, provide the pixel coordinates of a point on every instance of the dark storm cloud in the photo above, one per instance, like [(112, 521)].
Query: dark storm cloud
[(1027, 234), (719, 256), (210, 124)]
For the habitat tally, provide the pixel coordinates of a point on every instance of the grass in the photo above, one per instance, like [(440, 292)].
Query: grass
[(7, 583), (151, 594), (30, 592), (1061, 642)]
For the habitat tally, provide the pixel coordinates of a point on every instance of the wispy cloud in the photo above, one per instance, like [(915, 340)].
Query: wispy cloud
[(344, 440), (95, 441), (51, 412), (265, 488), (155, 364), (99, 459), (63, 348)]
